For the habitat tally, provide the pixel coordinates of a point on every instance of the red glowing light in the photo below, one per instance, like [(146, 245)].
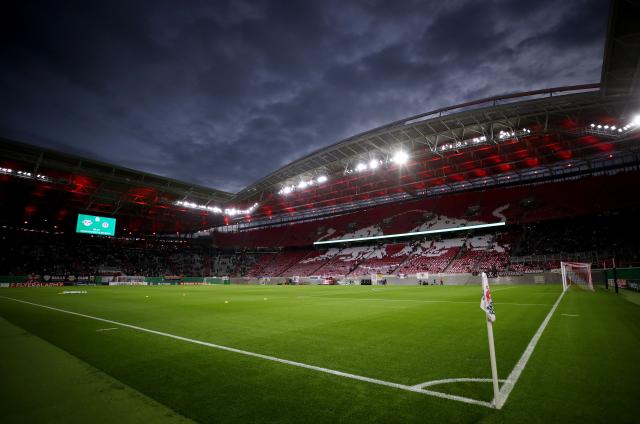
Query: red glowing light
[(532, 161), (564, 154)]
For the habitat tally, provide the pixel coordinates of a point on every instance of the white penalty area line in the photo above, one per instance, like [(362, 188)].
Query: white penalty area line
[(272, 358), (508, 386)]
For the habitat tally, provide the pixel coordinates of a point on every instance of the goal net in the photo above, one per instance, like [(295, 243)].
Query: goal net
[(576, 273)]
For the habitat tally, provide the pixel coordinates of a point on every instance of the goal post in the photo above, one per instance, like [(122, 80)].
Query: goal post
[(576, 273)]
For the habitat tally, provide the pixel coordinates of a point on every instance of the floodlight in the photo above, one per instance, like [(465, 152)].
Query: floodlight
[(400, 157), (322, 179), (302, 184), (373, 163), (361, 167)]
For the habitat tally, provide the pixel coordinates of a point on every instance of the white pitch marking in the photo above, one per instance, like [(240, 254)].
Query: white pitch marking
[(107, 329), (570, 315), (271, 358), (431, 301), (455, 380), (502, 289), (517, 370)]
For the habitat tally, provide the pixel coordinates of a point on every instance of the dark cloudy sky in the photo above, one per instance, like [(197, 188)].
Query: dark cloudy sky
[(222, 93)]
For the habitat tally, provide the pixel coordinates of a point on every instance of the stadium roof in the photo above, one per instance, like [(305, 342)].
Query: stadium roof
[(440, 142), (451, 148), (48, 183)]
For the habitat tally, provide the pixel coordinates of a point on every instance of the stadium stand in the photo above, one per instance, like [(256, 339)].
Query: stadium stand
[(432, 256), (517, 205), (382, 260), (520, 249)]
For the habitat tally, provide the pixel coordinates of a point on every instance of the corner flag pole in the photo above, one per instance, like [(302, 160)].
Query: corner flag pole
[(487, 305), (494, 367)]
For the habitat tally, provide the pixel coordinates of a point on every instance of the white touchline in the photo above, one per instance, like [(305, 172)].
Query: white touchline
[(271, 358), (506, 389)]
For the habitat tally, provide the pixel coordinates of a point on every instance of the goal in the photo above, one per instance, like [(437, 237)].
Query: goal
[(576, 273)]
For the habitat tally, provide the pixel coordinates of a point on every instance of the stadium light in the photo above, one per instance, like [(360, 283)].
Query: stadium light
[(216, 209), (400, 157), (608, 129), (302, 184), (506, 134), (361, 167), (373, 163)]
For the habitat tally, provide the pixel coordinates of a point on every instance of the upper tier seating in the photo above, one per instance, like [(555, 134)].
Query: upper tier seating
[(524, 204), (382, 260)]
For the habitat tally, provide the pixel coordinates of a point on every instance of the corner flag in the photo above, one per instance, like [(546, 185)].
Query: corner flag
[(486, 304)]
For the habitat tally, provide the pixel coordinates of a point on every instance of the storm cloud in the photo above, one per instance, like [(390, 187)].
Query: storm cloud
[(223, 93)]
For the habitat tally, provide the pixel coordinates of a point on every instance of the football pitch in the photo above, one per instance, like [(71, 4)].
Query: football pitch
[(292, 354)]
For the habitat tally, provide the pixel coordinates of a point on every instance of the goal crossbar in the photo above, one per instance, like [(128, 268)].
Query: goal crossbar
[(576, 273)]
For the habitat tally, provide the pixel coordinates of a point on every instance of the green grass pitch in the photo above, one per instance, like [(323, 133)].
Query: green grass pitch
[(61, 367)]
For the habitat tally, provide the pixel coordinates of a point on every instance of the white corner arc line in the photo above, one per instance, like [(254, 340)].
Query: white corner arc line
[(455, 380), (508, 386), (270, 358)]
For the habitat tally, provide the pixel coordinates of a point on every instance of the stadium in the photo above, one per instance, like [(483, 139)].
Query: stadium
[(345, 286)]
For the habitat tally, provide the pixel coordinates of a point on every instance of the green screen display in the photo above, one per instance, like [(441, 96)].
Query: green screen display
[(100, 225)]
